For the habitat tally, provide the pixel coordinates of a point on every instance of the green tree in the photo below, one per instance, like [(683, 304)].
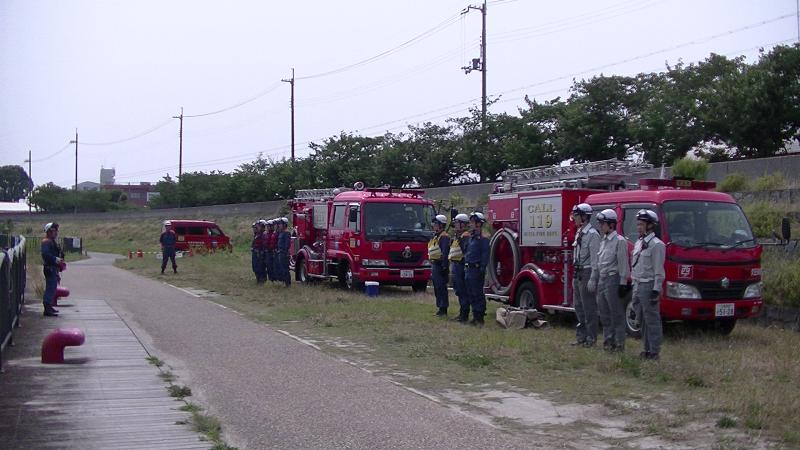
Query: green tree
[(694, 169), (15, 183)]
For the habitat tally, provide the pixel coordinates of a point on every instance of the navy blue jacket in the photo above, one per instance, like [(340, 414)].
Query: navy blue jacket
[(284, 239), (477, 250), (50, 251), (168, 238)]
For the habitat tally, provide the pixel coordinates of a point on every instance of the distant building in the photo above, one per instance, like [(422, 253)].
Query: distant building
[(88, 186), (137, 194), (107, 176)]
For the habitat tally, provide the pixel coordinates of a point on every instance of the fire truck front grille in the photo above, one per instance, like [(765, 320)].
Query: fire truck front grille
[(713, 290), (398, 258)]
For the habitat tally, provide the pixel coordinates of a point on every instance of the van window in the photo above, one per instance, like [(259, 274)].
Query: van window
[(195, 230), (214, 232), (180, 230), (355, 224), (339, 216)]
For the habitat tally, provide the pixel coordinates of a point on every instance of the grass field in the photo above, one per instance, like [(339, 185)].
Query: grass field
[(746, 382)]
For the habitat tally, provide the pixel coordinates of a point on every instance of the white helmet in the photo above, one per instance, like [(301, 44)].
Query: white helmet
[(582, 208), (440, 219), (50, 225), (462, 218), (262, 222), (284, 220), (270, 222), (167, 223), (478, 216), (607, 215), (647, 215)]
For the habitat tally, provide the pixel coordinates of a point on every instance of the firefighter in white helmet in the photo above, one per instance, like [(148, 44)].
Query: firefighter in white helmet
[(476, 258), (612, 281), (584, 284), (647, 272), (438, 251), (458, 246)]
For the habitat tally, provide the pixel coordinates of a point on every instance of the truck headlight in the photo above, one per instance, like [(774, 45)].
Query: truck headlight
[(680, 290), (753, 291), (374, 263)]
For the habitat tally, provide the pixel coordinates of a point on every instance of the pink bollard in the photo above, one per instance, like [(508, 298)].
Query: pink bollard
[(61, 291), (54, 343)]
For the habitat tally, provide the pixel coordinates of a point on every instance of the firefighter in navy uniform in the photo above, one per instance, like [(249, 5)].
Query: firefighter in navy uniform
[(167, 240), (255, 253), (52, 263), (282, 252), (458, 246), (475, 260), (647, 272), (438, 251), (612, 281), (584, 286), (271, 243)]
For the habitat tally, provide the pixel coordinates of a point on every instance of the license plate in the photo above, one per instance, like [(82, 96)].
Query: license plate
[(724, 310), (406, 274)]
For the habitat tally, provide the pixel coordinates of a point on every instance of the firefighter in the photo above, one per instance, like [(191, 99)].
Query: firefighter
[(476, 258), (52, 263), (256, 251), (282, 252), (271, 242), (647, 272), (458, 246), (168, 239), (612, 281), (438, 251), (584, 281)]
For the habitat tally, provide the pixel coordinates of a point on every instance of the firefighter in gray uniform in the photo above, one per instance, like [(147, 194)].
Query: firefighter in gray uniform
[(647, 272), (612, 281), (584, 262)]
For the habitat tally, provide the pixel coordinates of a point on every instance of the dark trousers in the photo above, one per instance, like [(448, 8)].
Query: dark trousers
[(168, 253), (439, 279), (474, 278), (257, 261), (585, 305), (460, 287), (283, 268), (50, 285), (270, 263)]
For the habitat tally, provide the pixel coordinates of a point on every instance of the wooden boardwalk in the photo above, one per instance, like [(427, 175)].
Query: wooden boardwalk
[(106, 396)]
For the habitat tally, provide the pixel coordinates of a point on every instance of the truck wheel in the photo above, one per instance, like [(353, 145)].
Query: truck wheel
[(301, 271), (633, 323), (346, 276), (526, 296), (419, 286)]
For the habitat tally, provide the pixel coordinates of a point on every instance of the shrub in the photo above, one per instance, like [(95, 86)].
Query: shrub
[(734, 182), (764, 218), (781, 278), (695, 169), (770, 182)]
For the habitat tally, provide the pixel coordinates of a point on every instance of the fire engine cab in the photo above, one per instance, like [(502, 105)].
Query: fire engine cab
[(363, 234), (713, 262)]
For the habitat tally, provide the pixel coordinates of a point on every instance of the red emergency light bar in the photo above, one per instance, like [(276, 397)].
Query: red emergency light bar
[(655, 184)]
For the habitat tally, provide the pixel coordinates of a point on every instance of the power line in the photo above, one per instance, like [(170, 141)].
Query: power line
[(425, 34), (269, 89), (66, 146), (136, 136)]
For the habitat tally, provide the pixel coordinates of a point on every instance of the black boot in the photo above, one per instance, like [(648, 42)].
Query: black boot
[(441, 312), (477, 321), (50, 311)]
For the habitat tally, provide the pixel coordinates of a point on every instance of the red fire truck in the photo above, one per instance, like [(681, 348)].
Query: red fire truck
[(363, 234), (713, 262)]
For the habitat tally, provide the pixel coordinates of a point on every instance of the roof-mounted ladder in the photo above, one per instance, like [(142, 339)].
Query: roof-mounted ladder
[(594, 174)]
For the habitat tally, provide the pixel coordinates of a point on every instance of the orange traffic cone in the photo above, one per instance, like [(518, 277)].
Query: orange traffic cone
[(139, 253)]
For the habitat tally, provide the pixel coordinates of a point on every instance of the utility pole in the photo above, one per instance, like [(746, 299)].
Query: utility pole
[(291, 103), (180, 155), (480, 63), (30, 175), (76, 170)]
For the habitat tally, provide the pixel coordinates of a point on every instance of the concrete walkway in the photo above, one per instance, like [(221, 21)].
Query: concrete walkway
[(268, 390), (106, 396)]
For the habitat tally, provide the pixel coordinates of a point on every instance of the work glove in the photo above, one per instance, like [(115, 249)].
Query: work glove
[(592, 286), (654, 296)]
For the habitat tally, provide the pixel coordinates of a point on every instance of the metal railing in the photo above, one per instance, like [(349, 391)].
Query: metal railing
[(13, 270)]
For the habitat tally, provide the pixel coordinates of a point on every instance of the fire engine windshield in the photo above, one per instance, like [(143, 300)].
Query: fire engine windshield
[(695, 224), (398, 221)]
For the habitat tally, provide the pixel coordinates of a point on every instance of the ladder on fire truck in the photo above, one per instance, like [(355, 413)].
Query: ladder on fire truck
[(596, 174), (318, 194)]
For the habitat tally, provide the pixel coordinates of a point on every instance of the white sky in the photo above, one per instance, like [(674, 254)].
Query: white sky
[(115, 69)]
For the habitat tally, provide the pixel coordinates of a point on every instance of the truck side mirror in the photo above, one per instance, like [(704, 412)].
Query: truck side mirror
[(786, 229)]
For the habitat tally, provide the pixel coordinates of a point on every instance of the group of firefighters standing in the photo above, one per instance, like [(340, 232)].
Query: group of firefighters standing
[(600, 281), (270, 250), (466, 256)]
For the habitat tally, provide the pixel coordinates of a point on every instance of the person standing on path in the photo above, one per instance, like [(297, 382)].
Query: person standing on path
[(438, 251), (52, 263), (168, 239), (458, 246), (612, 285), (647, 272), (475, 262), (584, 281), (284, 240)]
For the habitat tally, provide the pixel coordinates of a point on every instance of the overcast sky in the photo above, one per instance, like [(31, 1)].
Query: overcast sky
[(117, 69)]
